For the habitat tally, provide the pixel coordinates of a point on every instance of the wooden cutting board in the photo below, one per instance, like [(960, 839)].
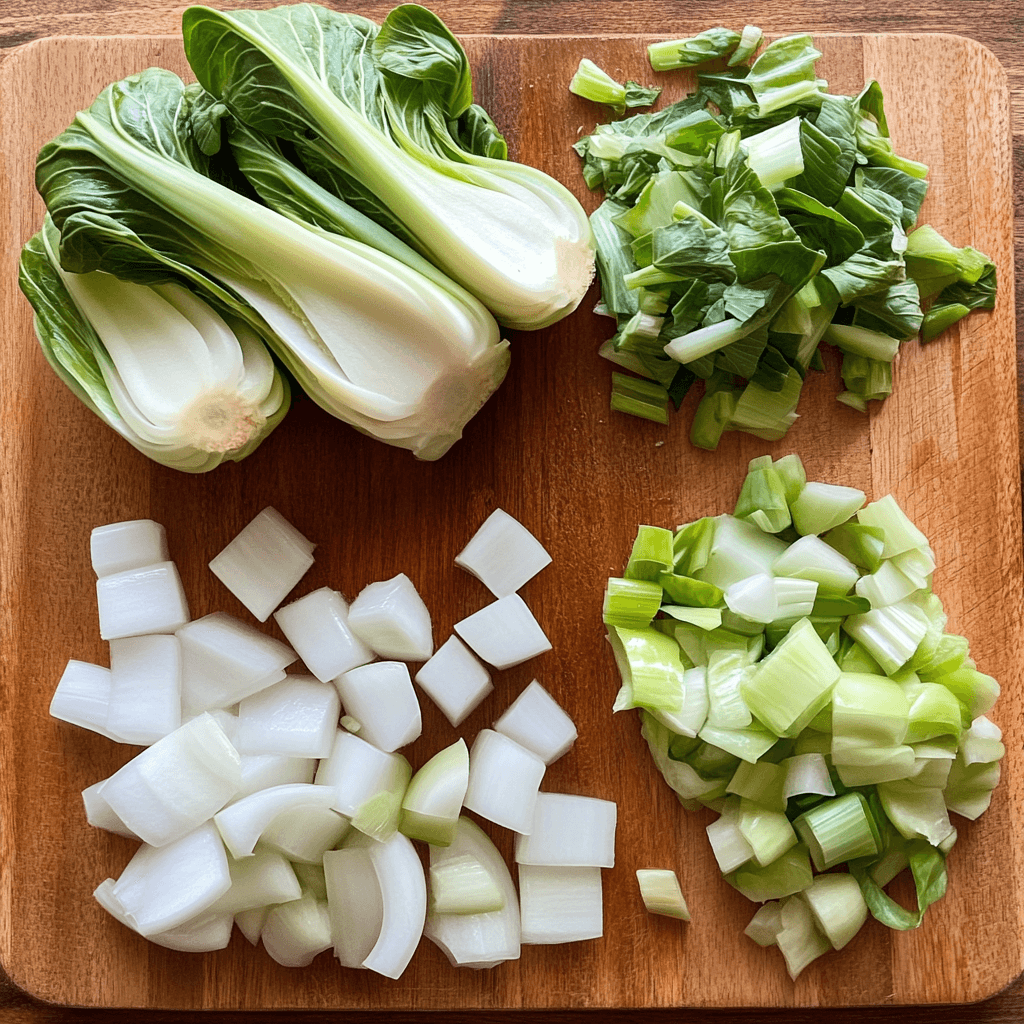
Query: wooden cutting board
[(547, 450)]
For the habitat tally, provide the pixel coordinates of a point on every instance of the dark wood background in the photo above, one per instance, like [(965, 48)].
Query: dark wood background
[(997, 25)]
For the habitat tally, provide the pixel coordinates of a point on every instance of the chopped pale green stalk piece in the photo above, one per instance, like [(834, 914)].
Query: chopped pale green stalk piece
[(867, 766), (915, 811), (660, 891), (769, 833), (764, 491), (692, 545), (631, 603), (862, 545), (433, 799), (652, 674), (862, 342), (982, 742), (696, 50), (591, 83), (652, 554), (799, 940), (681, 777), (789, 873), (765, 925), (791, 471), (821, 507), (726, 671), (949, 654), (838, 830), (975, 690), (690, 719), (934, 711), (728, 843), (794, 598), (792, 683), (686, 590), (753, 598), (763, 783), (749, 744), (969, 788), (637, 397), (463, 885), (806, 773), (767, 414), (775, 155), (928, 867), (890, 635), (738, 550), (869, 709), (750, 40), (838, 906), (705, 340), (810, 558), (702, 618), (899, 533)]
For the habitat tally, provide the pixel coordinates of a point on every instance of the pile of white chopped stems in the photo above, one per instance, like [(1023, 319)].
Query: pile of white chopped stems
[(279, 800), (793, 672)]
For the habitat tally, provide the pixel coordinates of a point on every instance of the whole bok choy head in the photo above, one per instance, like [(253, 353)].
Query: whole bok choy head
[(385, 115), (400, 356), (181, 383)]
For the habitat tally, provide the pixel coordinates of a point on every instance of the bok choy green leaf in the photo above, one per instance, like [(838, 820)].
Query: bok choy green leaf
[(387, 113), (398, 355)]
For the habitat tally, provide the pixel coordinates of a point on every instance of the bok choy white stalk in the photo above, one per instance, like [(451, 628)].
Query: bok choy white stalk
[(399, 356), (373, 106)]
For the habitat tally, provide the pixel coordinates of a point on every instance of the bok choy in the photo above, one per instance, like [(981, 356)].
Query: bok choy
[(404, 357), (383, 115)]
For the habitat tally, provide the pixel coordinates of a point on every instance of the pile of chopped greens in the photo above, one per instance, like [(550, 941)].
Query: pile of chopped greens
[(749, 222), (793, 672)]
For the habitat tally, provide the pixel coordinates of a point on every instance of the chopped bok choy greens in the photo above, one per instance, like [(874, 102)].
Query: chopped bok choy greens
[(824, 711), (186, 384), (752, 220), (256, 803), (400, 354), (383, 116)]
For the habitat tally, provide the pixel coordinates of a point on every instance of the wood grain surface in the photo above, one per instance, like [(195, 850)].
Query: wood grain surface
[(546, 449)]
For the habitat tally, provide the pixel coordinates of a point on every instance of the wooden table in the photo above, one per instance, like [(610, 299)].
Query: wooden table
[(996, 24)]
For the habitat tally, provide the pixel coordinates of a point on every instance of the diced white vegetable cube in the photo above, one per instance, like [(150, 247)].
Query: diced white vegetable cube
[(120, 547), (82, 697), (381, 697), (454, 680), (225, 660), (297, 716), (504, 633), (163, 887), (146, 600), (504, 779), (391, 618), (570, 831), (261, 771), (145, 690), (503, 554), (176, 784), (536, 721), (317, 627), (264, 562), (560, 904), (295, 932)]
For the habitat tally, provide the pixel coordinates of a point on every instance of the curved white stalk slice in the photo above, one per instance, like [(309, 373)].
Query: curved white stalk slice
[(303, 834), (162, 888), (296, 932), (560, 904), (463, 885), (145, 687), (261, 880), (403, 888), (504, 779), (433, 800), (476, 940), (354, 902), (242, 823)]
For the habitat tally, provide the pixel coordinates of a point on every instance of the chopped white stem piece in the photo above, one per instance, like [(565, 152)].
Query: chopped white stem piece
[(391, 618), (570, 831), (381, 696), (264, 562), (225, 660), (258, 881), (403, 889), (454, 680), (433, 800), (368, 784), (250, 922), (661, 893), (837, 905), (807, 773), (120, 547), (297, 716), (463, 885), (536, 721), (753, 598), (317, 627), (484, 939), (730, 848), (560, 904), (261, 771), (354, 902), (176, 784), (162, 888), (82, 697), (99, 813), (294, 933), (503, 554), (766, 924), (504, 779), (145, 687), (145, 600), (303, 834), (242, 823), (504, 633)]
